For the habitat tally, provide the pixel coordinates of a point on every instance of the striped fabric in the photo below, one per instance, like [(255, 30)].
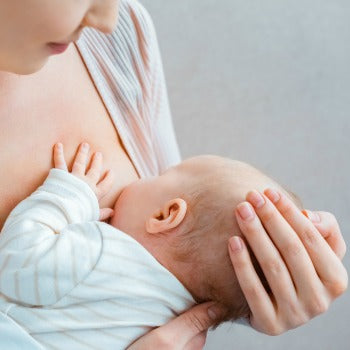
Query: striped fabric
[(73, 281), (127, 70)]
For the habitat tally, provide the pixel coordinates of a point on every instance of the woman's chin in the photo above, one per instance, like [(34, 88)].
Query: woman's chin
[(27, 68), (33, 68)]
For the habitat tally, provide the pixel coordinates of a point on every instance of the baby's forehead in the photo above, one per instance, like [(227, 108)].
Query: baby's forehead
[(219, 166), (223, 178), (213, 173)]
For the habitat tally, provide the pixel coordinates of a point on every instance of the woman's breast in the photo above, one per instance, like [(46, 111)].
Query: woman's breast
[(69, 111)]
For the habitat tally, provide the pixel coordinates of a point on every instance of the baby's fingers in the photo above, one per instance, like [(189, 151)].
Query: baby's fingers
[(94, 173), (79, 165), (58, 157), (106, 213), (105, 184)]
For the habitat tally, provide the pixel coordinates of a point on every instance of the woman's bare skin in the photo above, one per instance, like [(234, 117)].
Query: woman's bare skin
[(58, 103)]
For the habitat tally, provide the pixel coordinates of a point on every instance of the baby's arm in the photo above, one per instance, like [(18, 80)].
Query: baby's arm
[(49, 242)]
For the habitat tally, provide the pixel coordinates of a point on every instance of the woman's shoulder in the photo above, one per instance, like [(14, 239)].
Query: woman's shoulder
[(125, 60), (136, 9), (134, 22)]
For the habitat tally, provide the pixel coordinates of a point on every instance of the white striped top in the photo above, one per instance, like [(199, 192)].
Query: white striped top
[(127, 70), (75, 282)]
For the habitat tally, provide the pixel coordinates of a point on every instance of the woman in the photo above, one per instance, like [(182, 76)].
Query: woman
[(108, 89)]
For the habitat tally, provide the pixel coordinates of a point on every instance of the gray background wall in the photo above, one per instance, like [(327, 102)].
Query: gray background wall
[(267, 82)]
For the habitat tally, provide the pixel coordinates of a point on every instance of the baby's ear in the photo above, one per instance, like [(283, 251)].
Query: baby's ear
[(167, 218)]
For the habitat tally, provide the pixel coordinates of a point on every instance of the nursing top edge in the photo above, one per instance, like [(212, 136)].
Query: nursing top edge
[(127, 70)]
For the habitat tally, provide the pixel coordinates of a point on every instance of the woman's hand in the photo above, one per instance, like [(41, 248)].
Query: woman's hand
[(300, 258), (186, 332)]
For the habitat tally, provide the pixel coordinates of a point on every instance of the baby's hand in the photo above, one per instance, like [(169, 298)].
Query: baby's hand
[(92, 176)]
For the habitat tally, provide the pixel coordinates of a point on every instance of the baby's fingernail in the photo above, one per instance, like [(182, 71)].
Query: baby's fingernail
[(273, 195), (216, 312), (314, 217), (235, 244), (245, 211)]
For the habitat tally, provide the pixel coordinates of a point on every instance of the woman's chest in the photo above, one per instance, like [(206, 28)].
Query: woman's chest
[(47, 110)]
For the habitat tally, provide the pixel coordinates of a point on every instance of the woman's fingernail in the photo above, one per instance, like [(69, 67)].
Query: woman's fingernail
[(85, 146), (245, 211), (59, 146), (314, 217), (256, 199), (235, 244), (273, 195), (216, 312)]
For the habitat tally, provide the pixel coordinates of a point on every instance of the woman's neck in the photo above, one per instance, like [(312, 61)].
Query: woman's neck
[(8, 81)]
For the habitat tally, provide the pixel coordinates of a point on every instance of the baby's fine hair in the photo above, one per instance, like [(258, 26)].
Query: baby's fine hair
[(216, 187)]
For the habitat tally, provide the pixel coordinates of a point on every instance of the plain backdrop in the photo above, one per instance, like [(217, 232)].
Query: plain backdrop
[(267, 82)]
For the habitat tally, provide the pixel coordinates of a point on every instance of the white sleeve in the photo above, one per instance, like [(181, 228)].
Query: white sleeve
[(14, 337), (49, 242), (164, 139)]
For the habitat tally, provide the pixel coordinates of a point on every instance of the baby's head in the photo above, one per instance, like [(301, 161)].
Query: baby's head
[(184, 218)]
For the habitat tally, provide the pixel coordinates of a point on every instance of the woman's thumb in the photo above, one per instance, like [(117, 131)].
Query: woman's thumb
[(195, 321)]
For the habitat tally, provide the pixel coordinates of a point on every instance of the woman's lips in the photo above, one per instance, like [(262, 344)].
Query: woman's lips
[(57, 48)]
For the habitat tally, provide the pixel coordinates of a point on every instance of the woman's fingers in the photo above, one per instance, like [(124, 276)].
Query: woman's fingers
[(265, 251), (280, 237), (188, 325), (80, 161), (197, 343), (329, 268), (289, 245), (257, 298), (185, 332), (58, 157), (328, 226)]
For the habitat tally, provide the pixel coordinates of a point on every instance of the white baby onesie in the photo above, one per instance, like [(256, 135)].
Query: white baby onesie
[(76, 283)]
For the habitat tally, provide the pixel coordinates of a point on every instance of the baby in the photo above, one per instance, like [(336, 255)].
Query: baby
[(76, 282)]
